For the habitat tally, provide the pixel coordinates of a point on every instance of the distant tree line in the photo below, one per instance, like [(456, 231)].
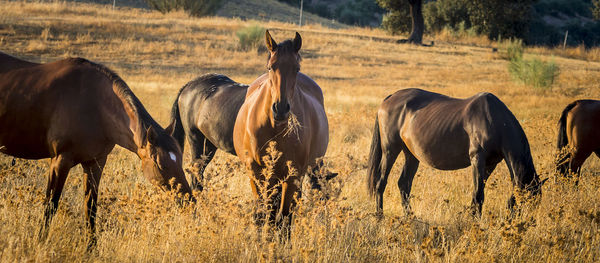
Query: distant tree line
[(534, 21)]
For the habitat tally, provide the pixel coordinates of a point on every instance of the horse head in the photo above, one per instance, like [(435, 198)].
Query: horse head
[(283, 65), (162, 159)]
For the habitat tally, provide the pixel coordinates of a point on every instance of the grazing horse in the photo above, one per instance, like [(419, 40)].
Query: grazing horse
[(74, 111), (285, 107), (204, 112), (448, 134), (578, 128)]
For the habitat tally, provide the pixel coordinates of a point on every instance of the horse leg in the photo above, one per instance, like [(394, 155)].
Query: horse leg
[(409, 170), (387, 162), (289, 195), (577, 161), (203, 151), (260, 211), (59, 170), (479, 178), (92, 171)]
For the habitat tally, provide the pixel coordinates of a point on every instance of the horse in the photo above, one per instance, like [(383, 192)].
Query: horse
[(286, 107), (204, 112), (578, 130), (448, 134), (75, 111)]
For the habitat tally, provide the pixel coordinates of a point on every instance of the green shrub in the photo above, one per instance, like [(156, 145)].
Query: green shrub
[(201, 8), (250, 37), (513, 48), (535, 73), (196, 8)]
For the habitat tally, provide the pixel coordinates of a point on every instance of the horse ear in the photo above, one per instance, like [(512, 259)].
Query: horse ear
[(171, 128), (271, 44), (151, 136), (297, 42)]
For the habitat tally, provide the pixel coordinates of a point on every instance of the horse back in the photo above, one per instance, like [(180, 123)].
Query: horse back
[(444, 132), (8, 63), (210, 104), (583, 125)]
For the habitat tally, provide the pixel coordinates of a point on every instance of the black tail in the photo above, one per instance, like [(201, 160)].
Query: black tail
[(178, 132), (562, 126), (375, 159)]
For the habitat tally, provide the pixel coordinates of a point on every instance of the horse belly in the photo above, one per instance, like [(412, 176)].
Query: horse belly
[(448, 151), (24, 145)]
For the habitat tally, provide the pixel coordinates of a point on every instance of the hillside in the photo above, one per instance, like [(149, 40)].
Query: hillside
[(158, 54), (260, 10), (265, 10)]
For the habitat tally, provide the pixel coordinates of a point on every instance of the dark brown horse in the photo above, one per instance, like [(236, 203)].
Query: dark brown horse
[(204, 112), (74, 111), (448, 134), (579, 129), (285, 107)]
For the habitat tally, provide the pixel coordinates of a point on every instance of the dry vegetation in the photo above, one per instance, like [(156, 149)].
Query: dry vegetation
[(157, 54)]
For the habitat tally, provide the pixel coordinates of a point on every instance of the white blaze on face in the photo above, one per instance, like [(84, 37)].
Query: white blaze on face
[(173, 157)]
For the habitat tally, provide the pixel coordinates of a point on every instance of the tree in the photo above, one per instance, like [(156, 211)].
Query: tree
[(501, 18), (395, 7)]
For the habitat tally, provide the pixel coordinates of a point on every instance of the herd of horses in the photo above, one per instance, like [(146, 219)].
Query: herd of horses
[(75, 111)]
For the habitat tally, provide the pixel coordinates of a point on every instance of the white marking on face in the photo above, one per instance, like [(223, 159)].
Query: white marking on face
[(173, 157)]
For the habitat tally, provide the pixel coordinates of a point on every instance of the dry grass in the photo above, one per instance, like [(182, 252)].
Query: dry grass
[(157, 54)]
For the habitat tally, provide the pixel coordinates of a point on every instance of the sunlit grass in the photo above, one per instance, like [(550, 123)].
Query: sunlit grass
[(157, 54)]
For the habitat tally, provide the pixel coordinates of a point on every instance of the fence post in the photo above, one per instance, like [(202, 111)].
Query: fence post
[(301, 6), (565, 42)]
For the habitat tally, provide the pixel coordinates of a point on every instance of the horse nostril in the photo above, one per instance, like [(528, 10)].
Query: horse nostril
[(280, 111)]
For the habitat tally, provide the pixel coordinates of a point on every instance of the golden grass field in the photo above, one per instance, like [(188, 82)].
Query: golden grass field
[(157, 54)]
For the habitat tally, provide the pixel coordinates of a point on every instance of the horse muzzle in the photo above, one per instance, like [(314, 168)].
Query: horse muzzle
[(281, 111)]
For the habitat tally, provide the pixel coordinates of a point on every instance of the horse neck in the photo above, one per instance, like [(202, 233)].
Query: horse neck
[(138, 119), (10, 63)]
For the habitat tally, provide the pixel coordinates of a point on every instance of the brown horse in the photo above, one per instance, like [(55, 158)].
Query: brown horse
[(578, 128), (286, 107), (74, 111), (448, 134), (204, 112)]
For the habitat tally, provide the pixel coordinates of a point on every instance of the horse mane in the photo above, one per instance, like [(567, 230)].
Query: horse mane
[(122, 90)]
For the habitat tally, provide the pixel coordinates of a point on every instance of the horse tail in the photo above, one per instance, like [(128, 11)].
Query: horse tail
[(562, 160), (374, 159), (178, 131), (562, 126)]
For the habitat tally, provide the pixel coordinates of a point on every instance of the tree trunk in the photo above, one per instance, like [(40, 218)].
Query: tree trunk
[(418, 24)]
